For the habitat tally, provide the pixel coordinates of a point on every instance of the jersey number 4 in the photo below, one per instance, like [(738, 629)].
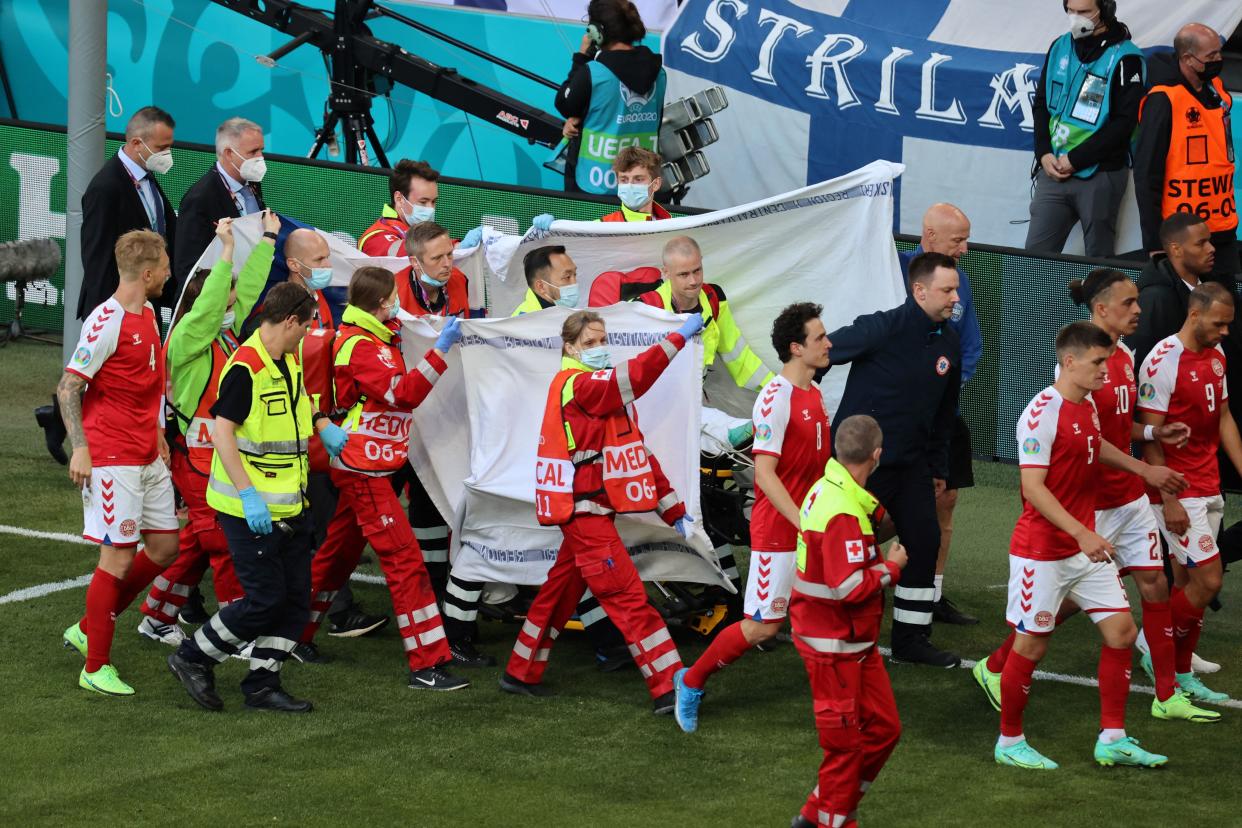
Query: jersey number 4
[(152, 360)]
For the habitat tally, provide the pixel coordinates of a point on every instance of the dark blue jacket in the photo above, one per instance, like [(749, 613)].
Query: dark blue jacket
[(964, 320), (906, 373)]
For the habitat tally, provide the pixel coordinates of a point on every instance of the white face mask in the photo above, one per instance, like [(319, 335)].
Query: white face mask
[(158, 162), (229, 318), (251, 169), (419, 213), (1080, 26)]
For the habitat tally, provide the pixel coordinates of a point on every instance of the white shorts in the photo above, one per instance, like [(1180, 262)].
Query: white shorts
[(1198, 545), (1133, 532), (124, 502), (1037, 588), (770, 584)]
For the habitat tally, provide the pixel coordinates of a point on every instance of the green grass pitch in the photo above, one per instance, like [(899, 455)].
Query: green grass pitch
[(377, 753)]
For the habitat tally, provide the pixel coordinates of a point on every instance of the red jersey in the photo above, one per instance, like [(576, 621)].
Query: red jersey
[(792, 425), (1188, 388), (120, 356), (1064, 438), (1114, 403)]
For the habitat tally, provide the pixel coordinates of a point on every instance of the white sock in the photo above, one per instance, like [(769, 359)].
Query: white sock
[(1010, 741), (1140, 643), (939, 587), (1112, 734)]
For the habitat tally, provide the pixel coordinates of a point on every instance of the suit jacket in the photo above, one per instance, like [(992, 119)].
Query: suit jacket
[(112, 207), (205, 203)]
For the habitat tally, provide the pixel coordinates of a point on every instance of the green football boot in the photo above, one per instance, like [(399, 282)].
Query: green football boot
[(1126, 751), (75, 639), (989, 682), (1022, 755), (1197, 690), (104, 681), (1179, 706)]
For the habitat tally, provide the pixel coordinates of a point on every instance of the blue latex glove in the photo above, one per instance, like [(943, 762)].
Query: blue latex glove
[(543, 222), (684, 526), (334, 438), (258, 518), (449, 336), (473, 239), (692, 325)]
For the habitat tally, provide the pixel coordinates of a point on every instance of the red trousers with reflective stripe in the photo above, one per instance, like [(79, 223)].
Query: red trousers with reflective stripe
[(202, 544), (592, 555), (368, 511), (856, 716)]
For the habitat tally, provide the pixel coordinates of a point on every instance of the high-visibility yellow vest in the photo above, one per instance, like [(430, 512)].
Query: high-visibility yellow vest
[(721, 336), (273, 440)]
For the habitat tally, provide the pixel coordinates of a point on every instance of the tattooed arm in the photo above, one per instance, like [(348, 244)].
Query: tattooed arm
[(69, 393)]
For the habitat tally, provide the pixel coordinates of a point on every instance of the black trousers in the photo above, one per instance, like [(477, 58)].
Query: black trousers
[(275, 572), (907, 494)]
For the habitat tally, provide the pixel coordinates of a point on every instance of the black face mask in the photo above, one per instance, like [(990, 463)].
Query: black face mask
[(1211, 70)]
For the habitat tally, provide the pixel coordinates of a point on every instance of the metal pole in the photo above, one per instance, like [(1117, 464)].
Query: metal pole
[(88, 52)]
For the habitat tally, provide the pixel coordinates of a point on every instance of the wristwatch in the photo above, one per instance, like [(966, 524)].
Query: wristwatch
[(269, 235)]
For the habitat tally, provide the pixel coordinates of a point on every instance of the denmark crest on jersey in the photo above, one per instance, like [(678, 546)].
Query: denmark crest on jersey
[(1217, 368), (1095, 420), (1129, 372)]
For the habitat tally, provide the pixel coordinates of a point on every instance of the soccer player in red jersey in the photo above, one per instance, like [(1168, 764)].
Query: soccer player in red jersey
[(1123, 516), (111, 396), (1055, 552), (791, 445), (1183, 379)]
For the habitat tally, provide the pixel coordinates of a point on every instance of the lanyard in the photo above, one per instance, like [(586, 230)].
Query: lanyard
[(145, 197)]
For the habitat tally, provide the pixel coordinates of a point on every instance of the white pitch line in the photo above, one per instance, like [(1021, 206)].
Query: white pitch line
[(39, 591), (35, 533)]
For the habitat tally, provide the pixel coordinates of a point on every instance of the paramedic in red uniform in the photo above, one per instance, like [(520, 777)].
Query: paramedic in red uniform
[(588, 419)]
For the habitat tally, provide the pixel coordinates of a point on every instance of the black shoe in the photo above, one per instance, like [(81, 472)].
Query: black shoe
[(309, 654), (664, 705), (436, 678), (801, 822), (612, 659), (198, 680), (194, 612), (945, 611), (275, 698), (465, 655), (48, 418), (354, 622), (916, 649), (522, 688)]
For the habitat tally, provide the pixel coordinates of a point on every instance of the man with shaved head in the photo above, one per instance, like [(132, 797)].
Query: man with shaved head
[(947, 230), (1184, 161), (1085, 108), (309, 262)]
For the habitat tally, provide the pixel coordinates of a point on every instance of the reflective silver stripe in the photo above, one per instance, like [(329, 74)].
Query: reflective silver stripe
[(153, 603), (738, 348), (521, 650), (431, 532), (667, 502), (590, 507), (530, 629), (553, 633), (452, 611), (670, 350), (161, 582), (665, 661), (180, 589), (756, 379), (542, 654), (645, 670), (403, 621), (410, 642), (583, 456), (732, 574), (431, 636), (316, 617), (834, 645), (428, 371), (915, 593), (325, 596), (622, 374), (225, 633), (210, 650), (270, 664), (271, 498), (465, 596), (272, 446), (633, 650), (906, 616), (274, 642), (435, 555), (425, 614), (837, 593), (833, 820), (656, 638), (593, 616)]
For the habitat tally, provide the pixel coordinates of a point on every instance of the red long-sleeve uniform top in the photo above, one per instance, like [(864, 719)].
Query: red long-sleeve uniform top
[(600, 393)]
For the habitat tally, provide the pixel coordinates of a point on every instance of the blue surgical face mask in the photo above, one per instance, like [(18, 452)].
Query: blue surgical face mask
[(598, 358), (430, 282), (633, 196), (419, 213), (569, 295), (320, 278), (229, 318)]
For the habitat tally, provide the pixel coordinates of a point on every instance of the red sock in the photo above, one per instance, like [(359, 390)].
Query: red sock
[(1015, 689), (141, 573), (996, 661), (727, 648), (100, 620), (1158, 629), (1187, 623), (1114, 676)]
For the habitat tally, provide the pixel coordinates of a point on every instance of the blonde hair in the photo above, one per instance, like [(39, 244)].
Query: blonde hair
[(136, 251), (576, 323)]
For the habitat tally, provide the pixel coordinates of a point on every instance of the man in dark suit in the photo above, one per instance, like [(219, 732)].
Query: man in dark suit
[(228, 190), (124, 196)]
